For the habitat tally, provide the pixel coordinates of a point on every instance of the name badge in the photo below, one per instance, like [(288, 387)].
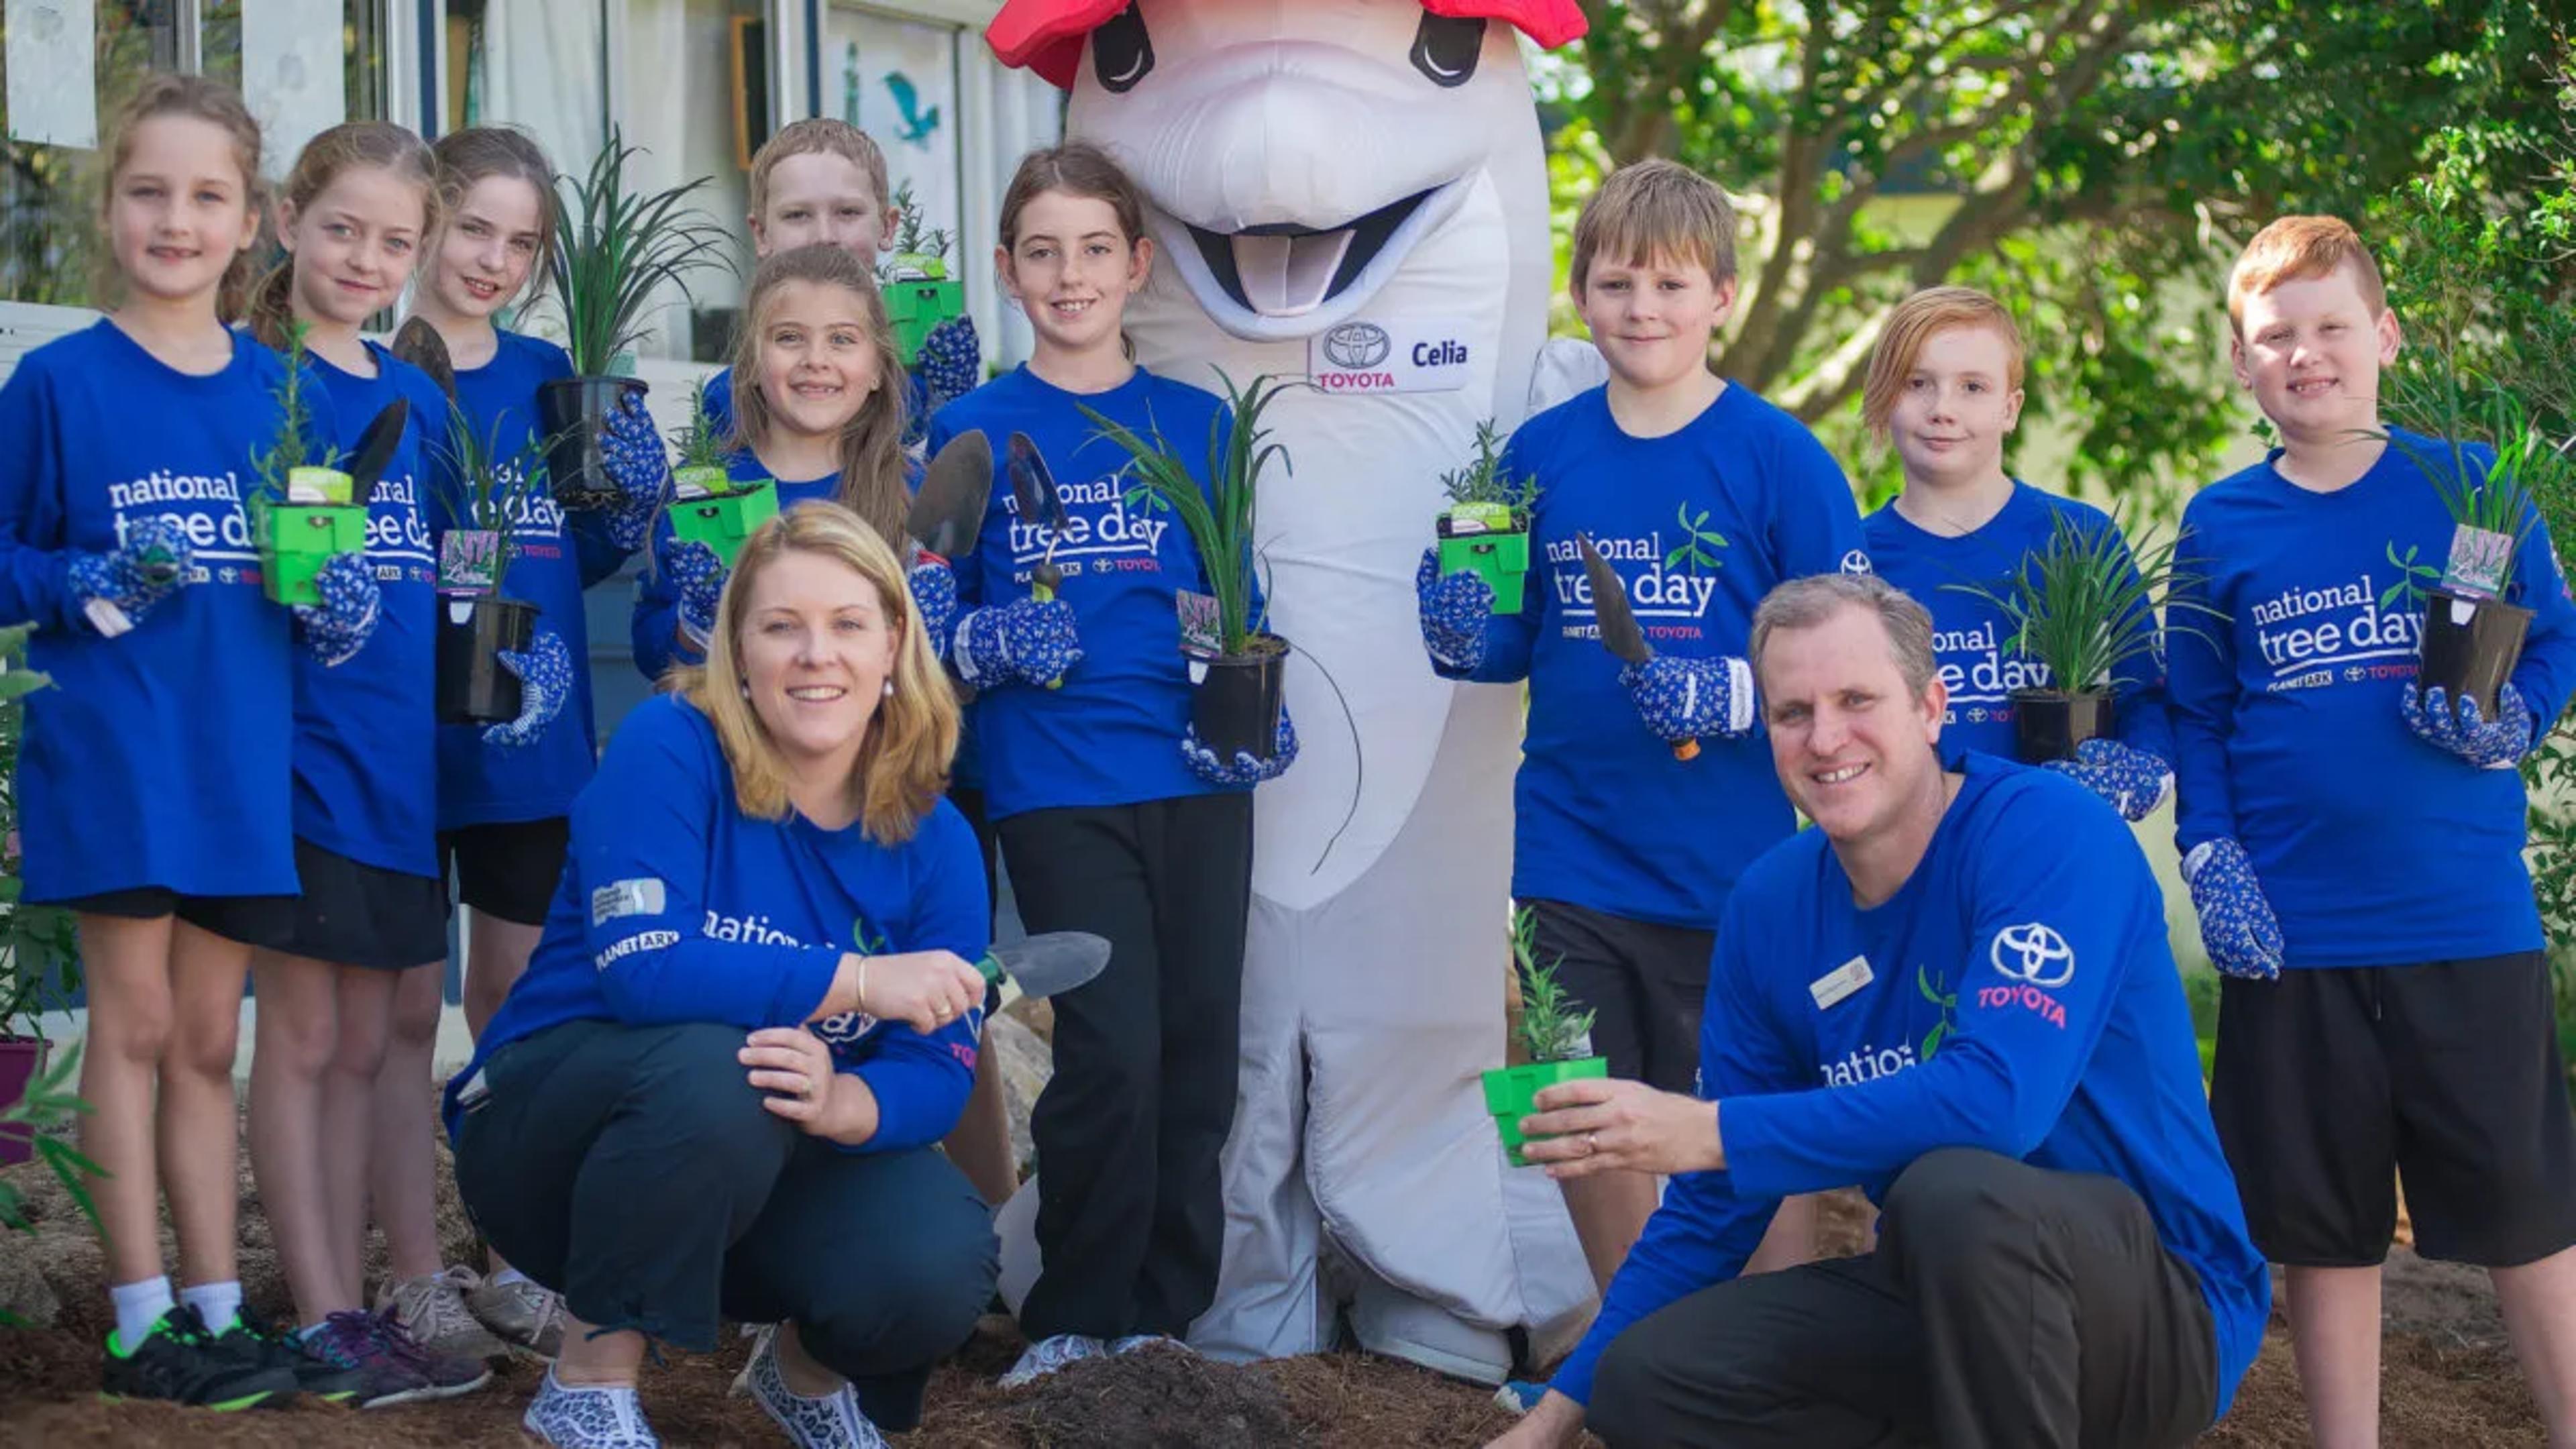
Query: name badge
[(1840, 982)]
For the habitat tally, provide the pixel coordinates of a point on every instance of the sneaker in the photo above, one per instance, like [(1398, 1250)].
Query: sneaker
[(1519, 1396), (1139, 1342), (445, 1374), (347, 1342), (826, 1421), (432, 1310), (178, 1361), (252, 1340), (759, 1334), (588, 1417), (526, 1317), (1049, 1354)]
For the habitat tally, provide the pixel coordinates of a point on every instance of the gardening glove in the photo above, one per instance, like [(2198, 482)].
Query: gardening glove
[(117, 588), (2236, 923), (951, 359), (2132, 781), (1684, 699), (338, 627), (1021, 642), (698, 576), (545, 682), (2496, 744), (934, 601), (632, 450), (1455, 609), (1244, 769)]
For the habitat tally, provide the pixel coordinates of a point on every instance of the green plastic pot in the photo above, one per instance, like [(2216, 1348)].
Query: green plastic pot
[(914, 307), (1509, 1093), (1491, 541), (296, 539), (724, 521)]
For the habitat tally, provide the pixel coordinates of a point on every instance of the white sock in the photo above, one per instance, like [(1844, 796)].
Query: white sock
[(138, 1307), (217, 1303), (507, 1276)]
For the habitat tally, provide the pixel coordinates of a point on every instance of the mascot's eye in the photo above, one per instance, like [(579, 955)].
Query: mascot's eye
[(1445, 48), (1121, 52)]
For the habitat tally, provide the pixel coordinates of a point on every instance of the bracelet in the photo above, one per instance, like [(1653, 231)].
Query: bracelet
[(859, 1001)]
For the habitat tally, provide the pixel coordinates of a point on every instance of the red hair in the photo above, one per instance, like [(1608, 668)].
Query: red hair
[(1046, 35)]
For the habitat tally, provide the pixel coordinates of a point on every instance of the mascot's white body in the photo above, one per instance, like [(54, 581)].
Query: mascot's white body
[(1332, 199)]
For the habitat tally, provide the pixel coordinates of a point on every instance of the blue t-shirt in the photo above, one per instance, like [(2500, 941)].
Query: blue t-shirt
[(2014, 999), (1973, 639), (676, 907), (656, 627), (1699, 524), (158, 758), (555, 558), (1112, 734), (2373, 847), (366, 753)]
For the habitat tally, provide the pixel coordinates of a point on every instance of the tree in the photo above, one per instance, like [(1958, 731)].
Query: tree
[(2092, 162)]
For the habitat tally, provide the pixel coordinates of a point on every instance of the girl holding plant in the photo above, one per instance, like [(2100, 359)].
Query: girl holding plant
[(1944, 386), (1113, 819)]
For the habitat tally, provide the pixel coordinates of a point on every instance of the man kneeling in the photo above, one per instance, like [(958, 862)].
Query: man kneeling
[(1956, 993)]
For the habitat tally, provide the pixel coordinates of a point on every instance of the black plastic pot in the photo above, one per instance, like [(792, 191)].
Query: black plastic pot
[(2048, 724), (2470, 646), (571, 412), (473, 688), (1235, 709)]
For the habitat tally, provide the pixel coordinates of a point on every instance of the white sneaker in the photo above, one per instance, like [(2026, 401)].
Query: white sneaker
[(433, 1310), (1049, 1354), (588, 1417), (827, 1421)]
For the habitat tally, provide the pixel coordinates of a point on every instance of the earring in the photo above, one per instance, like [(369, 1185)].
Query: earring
[(745, 687), (889, 690)]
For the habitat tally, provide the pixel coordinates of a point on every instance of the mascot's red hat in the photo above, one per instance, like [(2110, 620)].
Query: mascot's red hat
[(1046, 35)]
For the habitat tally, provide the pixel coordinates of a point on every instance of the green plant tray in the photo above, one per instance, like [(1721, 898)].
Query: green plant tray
[(726, 520), (916, 306), (296, 539), (1509, 1090), (1498, 553)]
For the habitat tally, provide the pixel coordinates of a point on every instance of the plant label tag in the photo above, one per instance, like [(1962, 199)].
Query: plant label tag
[(1830, 988), (2479, 558), (106, 618), (469, 560), (1201, 637)]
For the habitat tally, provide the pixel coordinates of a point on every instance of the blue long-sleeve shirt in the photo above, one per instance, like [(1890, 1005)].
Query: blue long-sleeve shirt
[(676, 907), (656, 626), (2373, 847), (1699, 524), (1973, 639), (2019, 999), (160, 757)]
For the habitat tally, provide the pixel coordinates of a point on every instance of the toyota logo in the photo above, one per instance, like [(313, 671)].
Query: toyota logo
[(1856, 562), (1357, 345), (2034, 954)]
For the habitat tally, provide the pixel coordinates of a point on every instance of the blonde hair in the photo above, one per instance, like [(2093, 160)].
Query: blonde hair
[(818, 136), (1651, 209), (872, 483), (902, 767), (2299, 249), (478, 153), (193, 97), (1912, 324), (380, 144)]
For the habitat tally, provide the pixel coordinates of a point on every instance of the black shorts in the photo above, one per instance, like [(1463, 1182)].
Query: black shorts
[(2329, 1083), (508, 872), (355, 914), (1643, 983), (250, 920)]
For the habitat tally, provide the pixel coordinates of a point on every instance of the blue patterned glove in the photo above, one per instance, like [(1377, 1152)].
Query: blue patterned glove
[(2132, 781), (1685, 699), (1455, 609), (632, 450), (2236, 922), (697, 578), (338, 627), (2488, 744), (1021, 642), (934, 602), (1244, 770), (545, 682), (117, 588)]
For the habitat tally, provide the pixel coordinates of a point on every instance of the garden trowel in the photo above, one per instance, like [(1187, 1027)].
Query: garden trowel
[(376, 449), (1047, 964), (419, 344), (1033, 487), (949, 510), (1619, 632)]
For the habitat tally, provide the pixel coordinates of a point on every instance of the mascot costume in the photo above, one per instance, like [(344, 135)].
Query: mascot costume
[(1353, 192)]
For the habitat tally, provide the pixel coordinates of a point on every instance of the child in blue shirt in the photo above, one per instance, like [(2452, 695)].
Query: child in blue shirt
[(2354, 849), (1701, 497), (1944, 387)]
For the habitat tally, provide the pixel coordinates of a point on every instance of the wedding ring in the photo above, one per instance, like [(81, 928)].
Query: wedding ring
[(1591, 1143)]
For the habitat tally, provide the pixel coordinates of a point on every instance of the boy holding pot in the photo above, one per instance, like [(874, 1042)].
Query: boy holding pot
[(2411, 1029)]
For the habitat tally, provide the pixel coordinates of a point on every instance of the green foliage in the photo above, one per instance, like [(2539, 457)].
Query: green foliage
[(1483, 479), (1219, 517), (39, 945), (1553, 1028), (2084, 604), (913, 242), (49, 1103), (485, 490), (1948, 1001), (1699, 543), (613, 250), (700, 442), (292, 448)]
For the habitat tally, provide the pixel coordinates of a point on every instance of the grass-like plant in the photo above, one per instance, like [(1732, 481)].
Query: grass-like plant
[(2458, 408), (701, 444), (487, 491), (292, 448), (2085, 603), (1553, 1028), (1219, 518), (915, 244), (613, 250), (1483, 479)]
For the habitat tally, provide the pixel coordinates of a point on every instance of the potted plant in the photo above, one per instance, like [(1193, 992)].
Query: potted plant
[(2084, 606), (302, 510), (39, 951), (612, 252), (919, 294), (1235, 707), (1557, 1037), (488, 496), (709, 506), (1485, 528)]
